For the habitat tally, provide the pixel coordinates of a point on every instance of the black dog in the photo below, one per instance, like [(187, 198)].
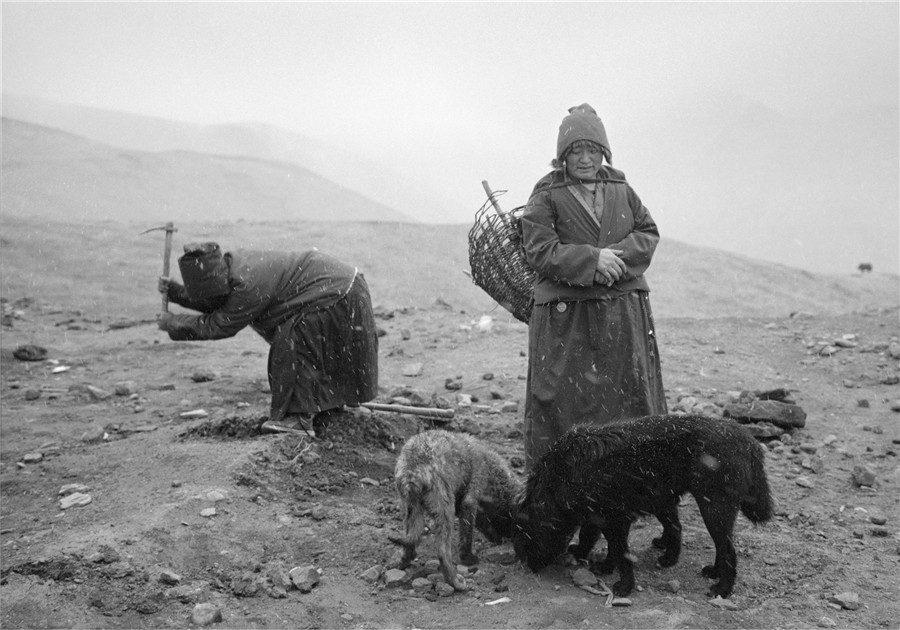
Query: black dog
[(602, 477)]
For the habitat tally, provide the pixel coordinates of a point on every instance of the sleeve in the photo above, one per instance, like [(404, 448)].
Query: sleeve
[(179, 295), (640, 244), (568, 263), (249, 298)]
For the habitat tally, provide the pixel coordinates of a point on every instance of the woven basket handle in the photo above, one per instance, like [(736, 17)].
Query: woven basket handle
[(493, 200)]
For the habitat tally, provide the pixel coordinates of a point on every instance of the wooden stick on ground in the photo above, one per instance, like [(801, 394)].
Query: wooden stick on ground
[(417, 411)]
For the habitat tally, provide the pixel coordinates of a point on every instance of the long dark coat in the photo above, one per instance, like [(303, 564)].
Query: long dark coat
[(314, 311), (593, 354)]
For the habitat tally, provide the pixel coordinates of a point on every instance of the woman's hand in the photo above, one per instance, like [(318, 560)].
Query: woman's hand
[(609, 266), (164, 283), (163, 320)]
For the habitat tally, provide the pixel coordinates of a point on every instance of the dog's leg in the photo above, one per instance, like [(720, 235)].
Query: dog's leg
[(670, 540), (443, 520), (414, 524), (719, 517), (616, 532), (467, 513), (588, 534)]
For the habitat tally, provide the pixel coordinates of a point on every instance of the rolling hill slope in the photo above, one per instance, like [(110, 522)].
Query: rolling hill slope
[(50, 173)]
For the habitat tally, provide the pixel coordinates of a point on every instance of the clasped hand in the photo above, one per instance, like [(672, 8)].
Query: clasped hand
[(609, 267)]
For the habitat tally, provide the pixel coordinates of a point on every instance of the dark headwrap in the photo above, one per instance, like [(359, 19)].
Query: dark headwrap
[(204, 271), (582, 123)]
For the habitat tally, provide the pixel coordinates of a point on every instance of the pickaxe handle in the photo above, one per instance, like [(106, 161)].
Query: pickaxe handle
[(167, 254)]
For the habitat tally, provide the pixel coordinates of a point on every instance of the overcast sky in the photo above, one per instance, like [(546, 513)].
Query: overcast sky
[(450, 92)]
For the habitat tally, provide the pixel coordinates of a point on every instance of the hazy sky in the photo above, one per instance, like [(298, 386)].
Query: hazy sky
[(450, 92)]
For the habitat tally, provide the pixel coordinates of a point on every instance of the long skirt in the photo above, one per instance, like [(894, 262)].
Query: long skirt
[(332, 359), (589, 361)]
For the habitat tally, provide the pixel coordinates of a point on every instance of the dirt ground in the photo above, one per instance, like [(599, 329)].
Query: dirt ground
[(105, 407)]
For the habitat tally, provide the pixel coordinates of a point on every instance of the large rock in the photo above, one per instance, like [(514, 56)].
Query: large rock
[(784, 415)]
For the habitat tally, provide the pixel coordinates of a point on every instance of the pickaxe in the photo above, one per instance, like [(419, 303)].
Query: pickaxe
[(169, 228)]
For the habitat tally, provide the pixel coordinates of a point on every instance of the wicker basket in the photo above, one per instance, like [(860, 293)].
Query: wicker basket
[(497, 259)]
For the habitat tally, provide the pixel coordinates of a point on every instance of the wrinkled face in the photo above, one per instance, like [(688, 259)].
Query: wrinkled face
[(583, 159)]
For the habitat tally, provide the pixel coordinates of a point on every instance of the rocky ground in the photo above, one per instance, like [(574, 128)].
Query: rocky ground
[(137, 493)]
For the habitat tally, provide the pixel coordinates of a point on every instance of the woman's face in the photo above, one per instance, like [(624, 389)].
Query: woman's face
[(584, 160)]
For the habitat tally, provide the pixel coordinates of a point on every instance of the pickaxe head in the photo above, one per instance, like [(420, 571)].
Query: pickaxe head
[(168, 227)]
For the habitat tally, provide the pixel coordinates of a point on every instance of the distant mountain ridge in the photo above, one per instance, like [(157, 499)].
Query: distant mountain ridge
[(51, 173), (250, 140), (724, 172)]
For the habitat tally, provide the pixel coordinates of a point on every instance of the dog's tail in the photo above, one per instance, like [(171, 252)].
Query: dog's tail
[(757, 504)]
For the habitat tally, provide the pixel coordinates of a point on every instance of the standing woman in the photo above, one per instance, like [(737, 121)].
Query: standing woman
[(592, 352)]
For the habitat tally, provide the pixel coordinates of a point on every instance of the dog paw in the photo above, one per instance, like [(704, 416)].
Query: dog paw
[(622, 588), (718, 590), (605, 567), (710, 571), (667, 560)]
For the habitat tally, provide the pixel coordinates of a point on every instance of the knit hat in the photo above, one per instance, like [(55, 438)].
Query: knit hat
[(582, 123), (204, 271)]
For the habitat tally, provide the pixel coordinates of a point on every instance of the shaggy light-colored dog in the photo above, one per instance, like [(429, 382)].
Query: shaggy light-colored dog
[(440, 475)]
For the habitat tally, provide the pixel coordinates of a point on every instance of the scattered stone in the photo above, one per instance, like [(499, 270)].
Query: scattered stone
[(370, 482), (830, 439), (862, 402), (510, 406), (501, 554), (443, 589), (895, 405), (150, 605), (863, 476), (187, 593), (69, 488), (621, 602), (96, 393), (208, 512), (394, 578), (245, 585), (673, 586), (196, 413), (169, 577), (804, 482), (215, 496), (725, 604), (94, 433), (277, 592), (877, 519), (372, 574), (412, 369), (205, 614), (453, 384), (813, 463), (584, 577), (32, 458), (764, 430), (784, 415), (304, 578), (203, 376), (125, 388), (32, 394), (847, 600), (422, 585), (30, 352), (826, 622), (463, 400), (76, 499)]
